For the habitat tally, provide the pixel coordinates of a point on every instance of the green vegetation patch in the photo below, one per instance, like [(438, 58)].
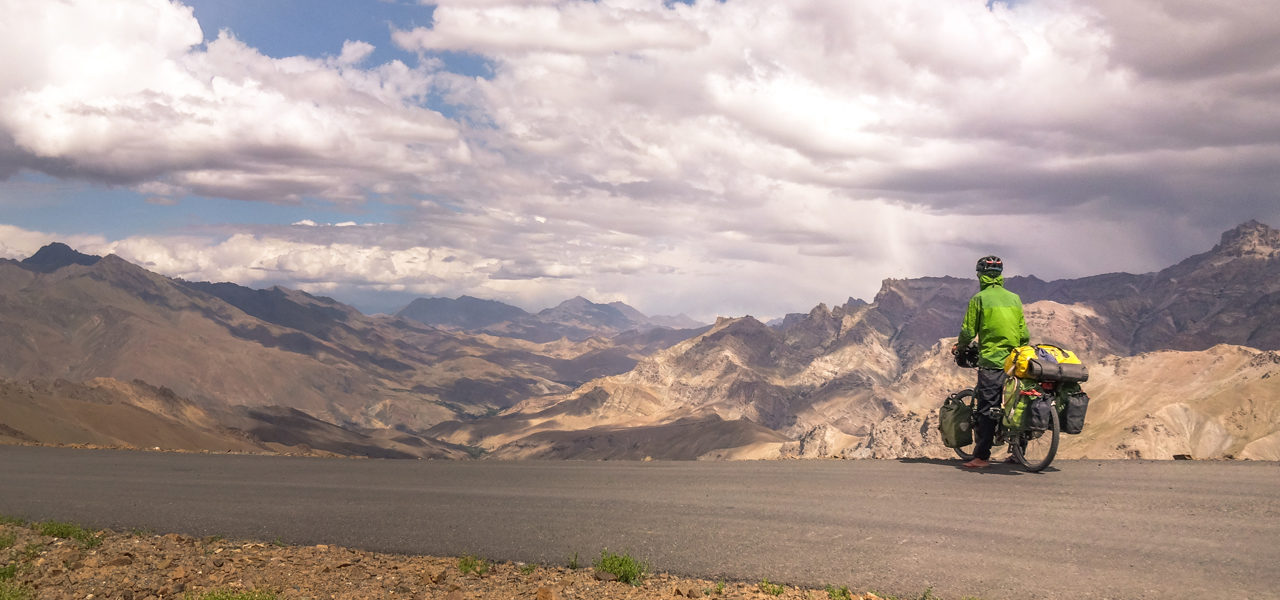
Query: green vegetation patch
[(623, 566), (471, 564), (230, 595), (7, 520), (839, 593), (71, 531), (773, 589), (12, 591), (8, 540), (9, 572), (926, 595)]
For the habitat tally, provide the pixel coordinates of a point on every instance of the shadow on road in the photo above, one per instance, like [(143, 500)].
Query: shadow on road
[(996, 468)]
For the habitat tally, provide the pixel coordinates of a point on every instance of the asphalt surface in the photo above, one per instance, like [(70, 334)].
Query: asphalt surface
[(1083, 529)]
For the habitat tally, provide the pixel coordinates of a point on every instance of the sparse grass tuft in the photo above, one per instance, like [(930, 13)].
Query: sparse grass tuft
[(8, 540), (72, 531), (32, 551), (528, 569), (472, 564), (9, 572), (230, 595), (773, 589), (720, 587), (839, 593), (927, 594), (13, 591), (573, 562), (7, 520), (623, 566)]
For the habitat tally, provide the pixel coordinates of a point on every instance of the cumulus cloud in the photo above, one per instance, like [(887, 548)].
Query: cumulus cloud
[(127, 92), (572, 27), (748, 156)]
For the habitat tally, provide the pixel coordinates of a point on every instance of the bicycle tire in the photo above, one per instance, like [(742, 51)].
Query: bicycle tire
[(1034, 452), (966, 452)]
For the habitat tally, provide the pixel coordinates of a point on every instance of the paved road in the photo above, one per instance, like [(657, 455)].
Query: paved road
[(1089, 529)]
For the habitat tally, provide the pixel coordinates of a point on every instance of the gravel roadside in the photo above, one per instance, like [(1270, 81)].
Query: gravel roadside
[(84, 565)]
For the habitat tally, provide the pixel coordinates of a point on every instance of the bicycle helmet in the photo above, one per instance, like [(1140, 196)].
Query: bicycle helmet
[(990, 264)]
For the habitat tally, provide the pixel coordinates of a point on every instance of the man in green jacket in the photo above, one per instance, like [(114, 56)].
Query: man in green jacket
[(995, 319)]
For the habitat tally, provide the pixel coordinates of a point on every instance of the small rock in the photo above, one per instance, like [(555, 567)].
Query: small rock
[(120, 561), (546, 593), (455, 595), (603, 576), (433, 575), (688, 591), (179, 572)]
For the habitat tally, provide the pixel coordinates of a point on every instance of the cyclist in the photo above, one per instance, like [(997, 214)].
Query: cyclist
[(994, 318)]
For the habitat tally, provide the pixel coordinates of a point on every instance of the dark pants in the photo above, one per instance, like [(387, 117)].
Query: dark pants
[(990, 395)]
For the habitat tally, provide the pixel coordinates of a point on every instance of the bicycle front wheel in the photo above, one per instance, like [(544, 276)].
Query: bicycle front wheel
[(1036, 449)]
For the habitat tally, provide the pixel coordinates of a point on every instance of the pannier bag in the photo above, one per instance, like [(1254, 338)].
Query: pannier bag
[(1072, 415), (1045, 362), (1017, 398), (1040, 413), (954, 422)]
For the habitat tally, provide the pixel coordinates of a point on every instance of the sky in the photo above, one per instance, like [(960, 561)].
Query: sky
[(705, 157)]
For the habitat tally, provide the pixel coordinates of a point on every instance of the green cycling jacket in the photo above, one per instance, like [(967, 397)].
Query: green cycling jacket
[(995, 318)]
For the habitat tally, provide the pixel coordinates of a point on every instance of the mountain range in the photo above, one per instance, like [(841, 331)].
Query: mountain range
[(1183, 361), (576, 319)]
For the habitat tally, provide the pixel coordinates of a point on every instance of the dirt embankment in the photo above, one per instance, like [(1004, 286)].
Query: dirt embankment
[(146, 566)]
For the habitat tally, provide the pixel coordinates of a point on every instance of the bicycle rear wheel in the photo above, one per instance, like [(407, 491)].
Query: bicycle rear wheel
[(1036, 449), (966, 452)]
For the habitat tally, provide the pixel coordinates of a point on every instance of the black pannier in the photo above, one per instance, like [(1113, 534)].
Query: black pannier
[(1072, 417), (1040, 414)]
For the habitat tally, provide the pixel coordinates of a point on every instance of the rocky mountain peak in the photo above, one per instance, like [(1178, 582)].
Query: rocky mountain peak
[(55, 256), (1250, 240), (575, 303)]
